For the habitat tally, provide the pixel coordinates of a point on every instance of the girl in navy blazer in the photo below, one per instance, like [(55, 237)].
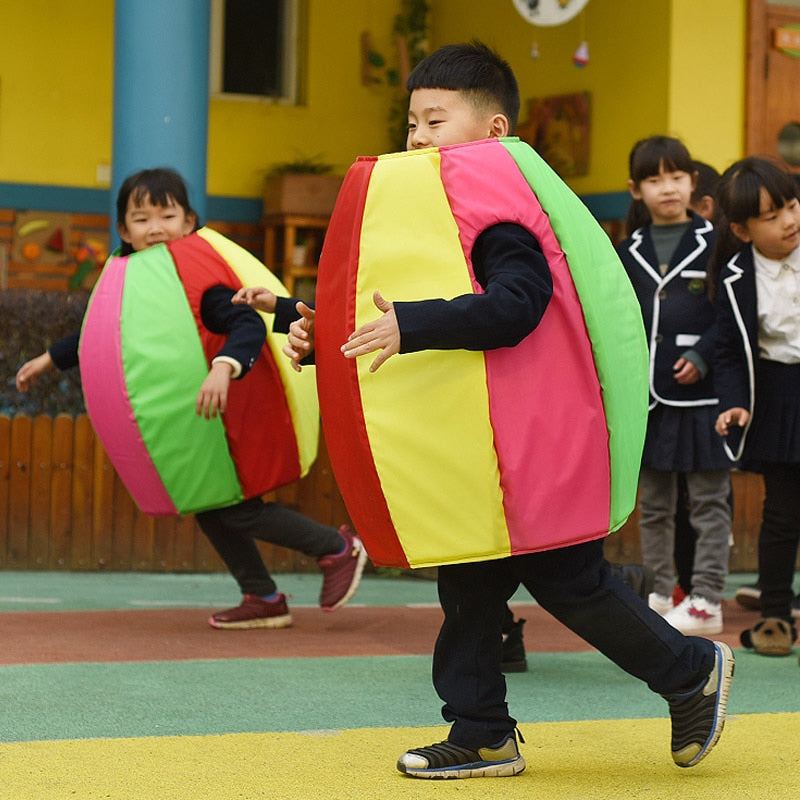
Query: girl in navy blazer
[(757, 368), (665, 257)]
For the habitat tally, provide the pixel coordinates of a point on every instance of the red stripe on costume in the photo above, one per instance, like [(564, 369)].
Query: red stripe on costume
[(337, 377), (258, 423)]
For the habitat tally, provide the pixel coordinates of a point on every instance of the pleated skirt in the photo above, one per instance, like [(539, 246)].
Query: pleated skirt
[(774, 434), (684, 440)]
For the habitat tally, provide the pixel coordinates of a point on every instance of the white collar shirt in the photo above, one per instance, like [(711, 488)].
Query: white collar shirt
[(778, 292)]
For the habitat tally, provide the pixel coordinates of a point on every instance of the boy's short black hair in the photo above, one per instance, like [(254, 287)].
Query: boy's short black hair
[(474, 69)]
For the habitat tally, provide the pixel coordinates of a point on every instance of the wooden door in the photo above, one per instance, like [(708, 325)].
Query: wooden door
[(773, 83)]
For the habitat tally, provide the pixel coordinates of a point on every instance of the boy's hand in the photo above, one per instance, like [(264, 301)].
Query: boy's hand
[(300, 343), (31, 370), (256, 297), (212, 399), (733, 416), (381, 334)]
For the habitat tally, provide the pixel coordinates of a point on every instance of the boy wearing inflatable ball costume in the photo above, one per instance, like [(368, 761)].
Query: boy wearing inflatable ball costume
[(224, 343), (550, 321)]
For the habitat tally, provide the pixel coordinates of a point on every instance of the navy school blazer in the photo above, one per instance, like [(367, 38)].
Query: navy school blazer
[(678, 315)]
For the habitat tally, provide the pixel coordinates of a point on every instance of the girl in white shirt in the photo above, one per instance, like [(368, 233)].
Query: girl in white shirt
[(757, 369)]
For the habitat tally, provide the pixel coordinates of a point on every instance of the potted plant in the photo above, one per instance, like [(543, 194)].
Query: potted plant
[(304, 187)]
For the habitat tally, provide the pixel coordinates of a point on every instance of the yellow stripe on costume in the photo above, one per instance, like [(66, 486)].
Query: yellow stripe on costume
[(410, 423), (299, 387)]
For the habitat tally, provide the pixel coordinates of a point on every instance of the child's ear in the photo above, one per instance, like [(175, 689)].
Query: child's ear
[(705, 206), (123, 233), (498, 126), (740, 232), (634, 190), (191, 223)]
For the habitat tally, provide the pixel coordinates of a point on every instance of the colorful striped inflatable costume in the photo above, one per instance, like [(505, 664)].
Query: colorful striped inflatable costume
[(144, 354), (456, 456)]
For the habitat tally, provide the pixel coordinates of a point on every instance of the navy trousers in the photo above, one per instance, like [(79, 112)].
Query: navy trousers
[(576, 586), (233, 531)]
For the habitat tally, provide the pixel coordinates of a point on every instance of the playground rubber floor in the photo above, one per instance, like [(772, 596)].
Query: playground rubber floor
[(114, 686)]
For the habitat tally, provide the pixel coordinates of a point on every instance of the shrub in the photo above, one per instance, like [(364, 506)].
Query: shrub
[(30, 321)]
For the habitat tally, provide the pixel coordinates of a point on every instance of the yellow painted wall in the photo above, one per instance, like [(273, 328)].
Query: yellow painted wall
[(342, 118), (662, 66), (55, 90), (56, 93), (672, 66), (707, 78)]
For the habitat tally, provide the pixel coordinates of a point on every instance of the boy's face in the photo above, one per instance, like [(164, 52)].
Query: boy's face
[(438, 117), (147, 225)]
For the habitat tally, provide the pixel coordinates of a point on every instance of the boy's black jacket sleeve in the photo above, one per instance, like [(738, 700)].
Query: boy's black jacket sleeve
[(285, 314), (509, 264), (64, 352), (245, 328)]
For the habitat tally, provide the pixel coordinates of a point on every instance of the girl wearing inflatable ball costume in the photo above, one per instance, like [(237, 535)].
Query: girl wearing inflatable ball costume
[(154, 215)]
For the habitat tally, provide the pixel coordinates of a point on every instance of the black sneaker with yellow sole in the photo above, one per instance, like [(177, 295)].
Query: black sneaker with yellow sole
[(448, 760), (699, 716)]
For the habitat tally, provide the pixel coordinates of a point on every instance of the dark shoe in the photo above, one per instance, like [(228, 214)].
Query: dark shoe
[(639, 577), (698, 717), (514, 649), (341, 572), (253, 613), (448, 760), (770, 637), (749, 596)]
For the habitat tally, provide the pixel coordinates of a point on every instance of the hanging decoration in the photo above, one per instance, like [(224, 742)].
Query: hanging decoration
[(549, 12), (581, 57)]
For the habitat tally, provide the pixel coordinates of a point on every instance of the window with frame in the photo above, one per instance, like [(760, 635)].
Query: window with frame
[(255, 49)]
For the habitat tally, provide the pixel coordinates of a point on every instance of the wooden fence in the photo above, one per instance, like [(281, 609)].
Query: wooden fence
[(62, 506)]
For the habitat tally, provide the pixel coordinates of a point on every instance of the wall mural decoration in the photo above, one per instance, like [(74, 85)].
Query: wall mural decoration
[(41, 236), (558, 128)]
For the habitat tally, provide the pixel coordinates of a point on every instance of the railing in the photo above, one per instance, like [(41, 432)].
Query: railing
[(62, 506)]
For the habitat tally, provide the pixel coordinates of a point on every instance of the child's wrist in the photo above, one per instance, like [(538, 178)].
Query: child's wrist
[(234, 367)]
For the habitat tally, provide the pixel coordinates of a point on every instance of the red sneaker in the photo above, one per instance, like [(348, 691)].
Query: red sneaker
[(253, 612), (341, 572)]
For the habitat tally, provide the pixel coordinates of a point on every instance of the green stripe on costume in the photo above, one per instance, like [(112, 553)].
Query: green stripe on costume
[(157, 328), (609, 305)]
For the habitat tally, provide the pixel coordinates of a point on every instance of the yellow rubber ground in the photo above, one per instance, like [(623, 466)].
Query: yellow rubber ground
[(758, 757)]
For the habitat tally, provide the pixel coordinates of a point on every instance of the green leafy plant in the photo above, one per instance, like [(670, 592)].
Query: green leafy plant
[(302, 165), (410, 31)]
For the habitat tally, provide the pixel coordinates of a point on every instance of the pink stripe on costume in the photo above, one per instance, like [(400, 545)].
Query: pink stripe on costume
[(533, 399), (107, 400)]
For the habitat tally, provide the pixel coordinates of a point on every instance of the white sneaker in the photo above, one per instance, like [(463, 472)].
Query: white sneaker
[(660, 603), (695, 614)]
